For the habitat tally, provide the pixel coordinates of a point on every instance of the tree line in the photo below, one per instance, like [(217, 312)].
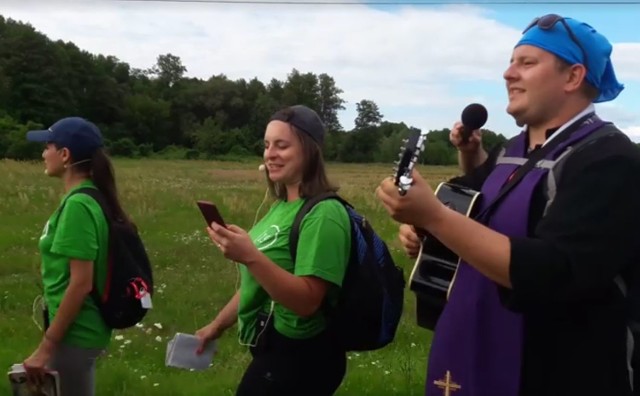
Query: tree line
[(161, 112)]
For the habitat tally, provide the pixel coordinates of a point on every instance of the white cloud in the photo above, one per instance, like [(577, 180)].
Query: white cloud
[(408, 58), (633, 132), (414, 58), (620, 115), (626, 119), (626, 60)]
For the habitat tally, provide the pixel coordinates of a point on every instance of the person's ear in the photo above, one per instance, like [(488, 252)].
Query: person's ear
[(576, 74), (65, 155)]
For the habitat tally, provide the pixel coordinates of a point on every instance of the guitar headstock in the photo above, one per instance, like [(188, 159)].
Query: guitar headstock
[(409, 153)]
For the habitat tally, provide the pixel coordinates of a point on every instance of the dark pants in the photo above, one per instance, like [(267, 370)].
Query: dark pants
[(286, 367), (77, 369)]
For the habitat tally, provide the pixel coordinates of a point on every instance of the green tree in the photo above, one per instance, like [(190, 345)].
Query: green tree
[(13, 142), (168, 69), (159, 109), (330, 102), (368, 114)]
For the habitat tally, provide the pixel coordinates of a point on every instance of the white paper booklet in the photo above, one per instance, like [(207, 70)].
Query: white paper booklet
[(181, 353), (20, 387)]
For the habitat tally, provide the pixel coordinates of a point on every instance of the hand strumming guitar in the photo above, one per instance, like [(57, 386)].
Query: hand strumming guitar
[(409, 240)]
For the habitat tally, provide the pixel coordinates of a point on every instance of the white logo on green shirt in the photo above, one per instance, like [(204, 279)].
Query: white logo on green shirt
[(45, 230), (268, 237)]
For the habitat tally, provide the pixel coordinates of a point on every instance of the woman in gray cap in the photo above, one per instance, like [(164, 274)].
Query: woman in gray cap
[(278, 305)]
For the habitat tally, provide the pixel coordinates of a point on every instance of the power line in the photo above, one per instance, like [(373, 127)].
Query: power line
[(368, 2)]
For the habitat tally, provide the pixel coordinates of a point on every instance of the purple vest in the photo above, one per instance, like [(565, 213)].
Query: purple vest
[(477, 344)]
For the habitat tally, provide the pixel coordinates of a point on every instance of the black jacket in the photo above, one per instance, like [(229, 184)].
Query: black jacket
[(575, 327)]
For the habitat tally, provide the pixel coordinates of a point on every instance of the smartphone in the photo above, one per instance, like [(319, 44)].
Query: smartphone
[(210, 213)]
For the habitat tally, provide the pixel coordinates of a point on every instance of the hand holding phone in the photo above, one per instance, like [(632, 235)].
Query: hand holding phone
[(210, 213)]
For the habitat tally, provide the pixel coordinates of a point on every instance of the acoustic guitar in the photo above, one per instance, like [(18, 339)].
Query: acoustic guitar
[(435, 268)]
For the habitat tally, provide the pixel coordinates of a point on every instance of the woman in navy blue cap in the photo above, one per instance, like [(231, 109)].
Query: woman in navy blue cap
[(278, 307), (73, 246)]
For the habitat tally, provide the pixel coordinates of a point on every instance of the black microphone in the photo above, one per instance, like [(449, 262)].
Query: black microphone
[(473, 117)]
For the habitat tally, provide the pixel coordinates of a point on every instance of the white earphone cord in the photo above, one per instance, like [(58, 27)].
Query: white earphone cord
[(255, 220)]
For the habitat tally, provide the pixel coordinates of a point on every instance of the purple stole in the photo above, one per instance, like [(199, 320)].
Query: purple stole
[(477, 344)]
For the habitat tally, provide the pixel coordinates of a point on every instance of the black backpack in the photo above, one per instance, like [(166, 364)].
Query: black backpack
[(129, 273), (371, 299)]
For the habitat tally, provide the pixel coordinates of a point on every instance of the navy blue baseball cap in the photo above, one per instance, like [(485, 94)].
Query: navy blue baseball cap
[(81, 137)]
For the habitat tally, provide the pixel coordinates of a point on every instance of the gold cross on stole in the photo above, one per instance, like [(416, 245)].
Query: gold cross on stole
[(447, 384)]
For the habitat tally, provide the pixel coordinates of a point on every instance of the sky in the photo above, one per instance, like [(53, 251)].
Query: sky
[(422, 64)]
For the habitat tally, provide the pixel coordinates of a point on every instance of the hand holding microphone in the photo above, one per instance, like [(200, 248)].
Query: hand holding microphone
[(465, 135)]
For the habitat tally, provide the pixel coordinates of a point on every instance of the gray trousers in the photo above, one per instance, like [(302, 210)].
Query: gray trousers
[(76, 367)]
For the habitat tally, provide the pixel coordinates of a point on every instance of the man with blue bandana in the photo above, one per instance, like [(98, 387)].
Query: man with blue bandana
[(538, 305)]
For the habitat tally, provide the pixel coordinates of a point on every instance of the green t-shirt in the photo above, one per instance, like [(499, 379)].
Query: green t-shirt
[(324, 246), (80, 232)]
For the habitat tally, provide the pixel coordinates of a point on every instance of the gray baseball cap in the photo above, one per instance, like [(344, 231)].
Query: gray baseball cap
[(303, 118)]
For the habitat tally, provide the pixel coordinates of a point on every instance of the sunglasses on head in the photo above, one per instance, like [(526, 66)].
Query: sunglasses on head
[(547, 22)]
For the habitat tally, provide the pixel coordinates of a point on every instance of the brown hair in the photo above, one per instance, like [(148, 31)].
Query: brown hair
[(100, 171), (314, 175)]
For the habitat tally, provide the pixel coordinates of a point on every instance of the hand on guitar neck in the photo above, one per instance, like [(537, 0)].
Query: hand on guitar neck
[(420, 205), (410, 200)]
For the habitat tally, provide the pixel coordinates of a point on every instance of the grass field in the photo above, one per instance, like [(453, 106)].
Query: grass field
[(193, 280)]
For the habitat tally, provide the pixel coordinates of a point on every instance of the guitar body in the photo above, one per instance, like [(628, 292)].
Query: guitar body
[(434, 271)]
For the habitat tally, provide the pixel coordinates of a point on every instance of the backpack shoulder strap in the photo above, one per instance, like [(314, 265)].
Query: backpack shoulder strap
[(99, 198), (556, 167), (92, 192), (306, 208), (604, 131), (531, 162)]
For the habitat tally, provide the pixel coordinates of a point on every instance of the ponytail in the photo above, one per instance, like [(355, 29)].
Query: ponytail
[(102, 174)]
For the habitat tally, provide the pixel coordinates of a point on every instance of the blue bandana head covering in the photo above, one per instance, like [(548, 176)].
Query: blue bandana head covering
[(558, 40)]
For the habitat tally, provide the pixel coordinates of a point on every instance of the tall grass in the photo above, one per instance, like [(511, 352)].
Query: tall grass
[(193, 280)]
